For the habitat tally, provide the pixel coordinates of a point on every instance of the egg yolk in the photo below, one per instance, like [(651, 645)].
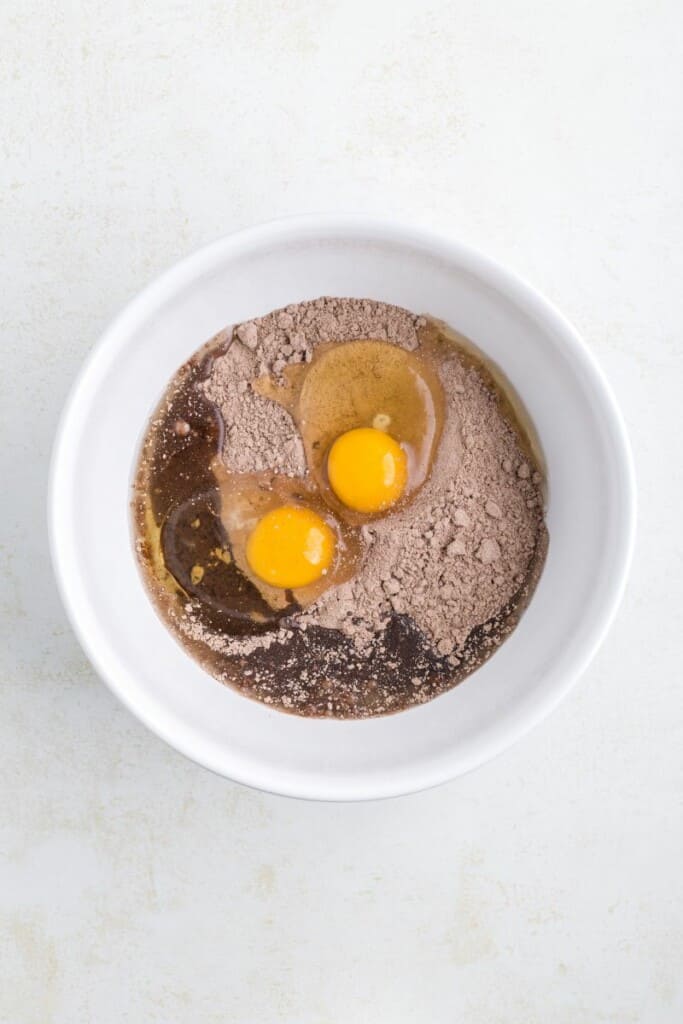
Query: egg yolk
[(290, 547), (367, 469)]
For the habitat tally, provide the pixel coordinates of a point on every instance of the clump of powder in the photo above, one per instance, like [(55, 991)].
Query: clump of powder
[(458, 553), (259, 434)]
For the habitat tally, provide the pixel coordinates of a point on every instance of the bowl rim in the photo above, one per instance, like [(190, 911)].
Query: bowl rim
[(482, 267)]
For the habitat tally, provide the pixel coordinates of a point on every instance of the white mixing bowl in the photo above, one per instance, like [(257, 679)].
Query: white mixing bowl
[(591, 510)]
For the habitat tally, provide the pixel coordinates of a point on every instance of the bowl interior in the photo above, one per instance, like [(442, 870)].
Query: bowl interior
[(590, 510)]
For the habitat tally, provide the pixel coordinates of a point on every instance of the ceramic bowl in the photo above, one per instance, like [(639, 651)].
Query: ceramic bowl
[(591, 507)]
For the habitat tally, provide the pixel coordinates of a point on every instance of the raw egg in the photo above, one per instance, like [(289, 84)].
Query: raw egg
[(367, 469), (370, 416), (283, 537), (290, 547)]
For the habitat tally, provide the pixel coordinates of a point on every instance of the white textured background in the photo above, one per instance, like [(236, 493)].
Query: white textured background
[(135, 886)]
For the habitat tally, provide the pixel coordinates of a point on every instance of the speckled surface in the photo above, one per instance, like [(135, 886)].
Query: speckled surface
[(134, 886)]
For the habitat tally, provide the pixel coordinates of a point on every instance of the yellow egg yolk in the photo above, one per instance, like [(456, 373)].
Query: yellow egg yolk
[(290, 547), (367, 469)]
